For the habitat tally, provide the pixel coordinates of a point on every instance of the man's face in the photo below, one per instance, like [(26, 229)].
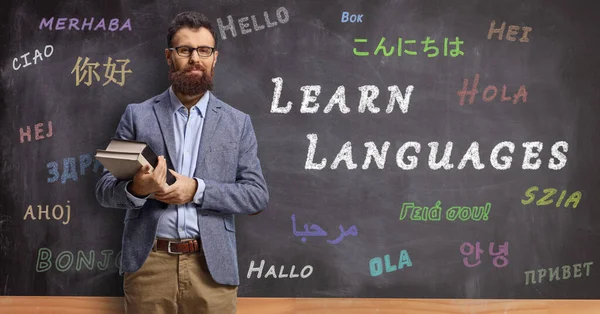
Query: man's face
[(191, 75)]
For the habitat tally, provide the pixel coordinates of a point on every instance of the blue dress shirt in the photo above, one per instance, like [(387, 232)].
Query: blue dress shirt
[(181, 221)]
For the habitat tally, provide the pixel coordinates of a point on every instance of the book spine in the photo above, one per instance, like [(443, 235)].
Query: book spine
[(150, 156)]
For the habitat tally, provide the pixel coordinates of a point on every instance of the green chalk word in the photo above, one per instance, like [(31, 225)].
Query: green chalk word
[(464, 213), (76, 261)]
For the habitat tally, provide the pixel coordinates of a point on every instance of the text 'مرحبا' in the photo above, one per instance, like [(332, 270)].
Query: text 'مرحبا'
[(434, 213), (316, 231)]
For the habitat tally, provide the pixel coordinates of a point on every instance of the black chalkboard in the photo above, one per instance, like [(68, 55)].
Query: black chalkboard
[(367, 213)]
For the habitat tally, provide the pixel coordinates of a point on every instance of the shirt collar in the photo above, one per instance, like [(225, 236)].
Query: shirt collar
[(200, 106)]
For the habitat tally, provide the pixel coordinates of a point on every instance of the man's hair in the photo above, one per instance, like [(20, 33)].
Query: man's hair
[(189, 19)]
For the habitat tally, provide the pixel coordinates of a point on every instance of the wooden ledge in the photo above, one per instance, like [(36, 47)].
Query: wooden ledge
[(106, 305)]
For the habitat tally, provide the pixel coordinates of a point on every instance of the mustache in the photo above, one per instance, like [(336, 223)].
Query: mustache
[(194, 67)]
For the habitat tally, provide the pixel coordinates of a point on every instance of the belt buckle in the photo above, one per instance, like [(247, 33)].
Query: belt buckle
[(169, 249)]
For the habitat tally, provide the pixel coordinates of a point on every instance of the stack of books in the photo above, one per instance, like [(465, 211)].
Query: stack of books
[(124, 158)]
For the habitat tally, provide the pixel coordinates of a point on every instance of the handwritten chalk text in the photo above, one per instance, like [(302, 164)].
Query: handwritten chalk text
[(87, 71), (317, 231), (574, 198), (65, 260), (37, 55), (407, 47), (58, 213), (410, 162), (464, 213), (511, 32), (352, 18), (500, 260), (368, 93), (565, 272), (304, 273), (69, 171), (283, 16), (376, 264), (65, 23), (38, 132), (490, 93)]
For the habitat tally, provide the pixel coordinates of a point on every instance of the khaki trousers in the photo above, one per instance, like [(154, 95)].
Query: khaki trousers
[(170, 284)]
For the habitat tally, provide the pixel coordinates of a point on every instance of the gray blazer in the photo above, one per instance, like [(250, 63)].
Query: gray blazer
[(227, 163)]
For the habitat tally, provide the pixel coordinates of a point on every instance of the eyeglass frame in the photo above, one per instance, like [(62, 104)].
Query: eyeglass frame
[(212, 51)]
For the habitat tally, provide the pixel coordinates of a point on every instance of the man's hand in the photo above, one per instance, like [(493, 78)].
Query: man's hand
[(180, 192), (145, 183)]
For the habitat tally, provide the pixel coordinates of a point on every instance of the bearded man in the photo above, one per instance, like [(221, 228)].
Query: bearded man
[(179, 247)]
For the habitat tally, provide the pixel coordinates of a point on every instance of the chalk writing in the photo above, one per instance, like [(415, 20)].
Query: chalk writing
[(87, 71), (282, 14), (547, 198), (38, 132), (316, 231), (510, 33), (352, 18), (304, 273), (376, 265), (500, 260), (368, 93), (65, 260), (70, 168), (37, 55), (73, 24), (565, 272), (410, 47), (58, 213), (410, 162), (490, 93), (434, 213)]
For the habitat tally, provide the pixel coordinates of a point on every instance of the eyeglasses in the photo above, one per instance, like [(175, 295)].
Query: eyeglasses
[(186, 51)]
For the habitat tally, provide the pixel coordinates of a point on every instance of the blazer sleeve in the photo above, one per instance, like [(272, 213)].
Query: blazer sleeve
[(110, 192), (249, 194)]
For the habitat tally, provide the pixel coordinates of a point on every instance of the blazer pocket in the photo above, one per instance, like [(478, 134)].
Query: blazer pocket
[(132, 214), (223, 146), (229, 224)]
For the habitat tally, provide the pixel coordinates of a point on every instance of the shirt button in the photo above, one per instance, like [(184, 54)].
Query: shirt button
[(180, 229)]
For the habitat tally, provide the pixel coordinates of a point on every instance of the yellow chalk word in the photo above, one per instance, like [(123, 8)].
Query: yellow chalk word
[(510, 33), (85, 71), (547, 198), (58, 213), (65, 260), (559, 273)]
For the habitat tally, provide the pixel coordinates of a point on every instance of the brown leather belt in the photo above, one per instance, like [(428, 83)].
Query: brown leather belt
[(182, 247)]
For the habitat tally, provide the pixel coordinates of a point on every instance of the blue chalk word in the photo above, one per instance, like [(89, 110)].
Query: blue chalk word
[(376, 265), (352, 18), (69, 168)]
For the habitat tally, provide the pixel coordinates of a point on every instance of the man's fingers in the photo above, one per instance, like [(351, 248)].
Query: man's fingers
[(166, 189), (160, 164), (144, 170), (165, 195)]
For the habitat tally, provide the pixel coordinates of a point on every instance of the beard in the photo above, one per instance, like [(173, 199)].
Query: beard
[(191, 84)]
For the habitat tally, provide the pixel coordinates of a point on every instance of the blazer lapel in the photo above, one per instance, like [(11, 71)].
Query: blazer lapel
[(162, 109), (208, 130)]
